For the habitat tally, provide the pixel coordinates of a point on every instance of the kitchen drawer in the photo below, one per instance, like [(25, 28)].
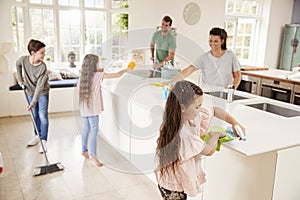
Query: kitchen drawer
[(297, 88), (277, 83)]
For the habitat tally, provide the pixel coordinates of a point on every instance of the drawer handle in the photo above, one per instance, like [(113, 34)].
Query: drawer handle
[(277, 90), (297, 95)]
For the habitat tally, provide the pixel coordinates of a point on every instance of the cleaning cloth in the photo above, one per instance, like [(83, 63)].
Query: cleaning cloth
[(217, 129)]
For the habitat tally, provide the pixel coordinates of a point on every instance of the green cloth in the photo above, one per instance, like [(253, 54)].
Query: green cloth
[(163, 44), (217, 129)]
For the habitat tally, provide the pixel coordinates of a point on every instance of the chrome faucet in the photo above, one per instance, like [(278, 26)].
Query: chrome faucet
[(230, 93)]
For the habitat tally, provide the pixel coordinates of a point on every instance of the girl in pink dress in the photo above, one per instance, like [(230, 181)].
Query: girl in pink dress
[(91, 103), (179, 147)]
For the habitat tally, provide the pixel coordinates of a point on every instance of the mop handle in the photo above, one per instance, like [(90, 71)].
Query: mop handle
[(34, 124)]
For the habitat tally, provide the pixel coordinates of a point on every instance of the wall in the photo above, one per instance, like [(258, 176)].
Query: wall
[(296, 13), (275, 30), (194, 38), (6, 78)]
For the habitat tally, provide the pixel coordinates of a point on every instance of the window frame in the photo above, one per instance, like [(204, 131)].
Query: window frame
[(254, 34), (107, 11)]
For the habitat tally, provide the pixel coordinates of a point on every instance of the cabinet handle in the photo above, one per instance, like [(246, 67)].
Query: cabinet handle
[(277, 90), (297, 95)]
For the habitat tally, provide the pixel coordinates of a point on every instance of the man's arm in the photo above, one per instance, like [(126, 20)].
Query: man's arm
[(170, 56), (152, 51)]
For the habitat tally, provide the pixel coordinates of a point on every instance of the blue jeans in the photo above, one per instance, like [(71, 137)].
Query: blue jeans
[(91, 125), (40, 115)]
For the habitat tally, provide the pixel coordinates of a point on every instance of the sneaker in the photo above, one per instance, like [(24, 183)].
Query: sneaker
[(33, 141), (45, 146)]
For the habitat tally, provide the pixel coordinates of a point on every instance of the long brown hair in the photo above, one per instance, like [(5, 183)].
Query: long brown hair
[(88, 69), (168, 143)]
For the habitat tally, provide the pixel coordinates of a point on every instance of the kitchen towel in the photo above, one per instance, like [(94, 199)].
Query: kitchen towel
[(217, 129)]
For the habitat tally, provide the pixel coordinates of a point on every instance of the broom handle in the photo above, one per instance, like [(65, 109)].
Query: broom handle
[(34, 124)]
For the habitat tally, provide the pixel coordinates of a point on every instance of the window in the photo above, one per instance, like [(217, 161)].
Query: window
[(81, 26), (242, 18), (69, 26)]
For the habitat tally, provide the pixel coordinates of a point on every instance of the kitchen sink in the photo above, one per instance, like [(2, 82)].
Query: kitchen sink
[(223, 95), (145, 73), (278, 110)]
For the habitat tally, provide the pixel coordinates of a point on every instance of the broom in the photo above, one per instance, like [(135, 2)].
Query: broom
[(48, 168)]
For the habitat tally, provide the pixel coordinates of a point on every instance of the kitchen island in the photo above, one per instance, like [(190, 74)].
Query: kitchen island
[(263, 167)]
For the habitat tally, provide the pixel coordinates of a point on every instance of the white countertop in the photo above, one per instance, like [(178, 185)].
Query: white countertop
[(265, 131), (276, 74)]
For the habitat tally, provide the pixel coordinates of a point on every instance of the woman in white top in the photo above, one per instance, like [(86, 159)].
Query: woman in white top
[(219, 66)]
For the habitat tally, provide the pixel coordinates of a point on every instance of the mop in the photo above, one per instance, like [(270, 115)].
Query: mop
[(48, 168)]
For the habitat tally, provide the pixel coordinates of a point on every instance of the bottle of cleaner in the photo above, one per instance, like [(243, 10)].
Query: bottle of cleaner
[(239, 131)]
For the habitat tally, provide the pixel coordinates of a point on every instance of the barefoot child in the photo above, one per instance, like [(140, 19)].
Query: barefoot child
[(91, 103)]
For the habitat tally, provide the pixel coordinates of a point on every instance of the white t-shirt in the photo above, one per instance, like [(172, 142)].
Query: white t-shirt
[(217, 71)]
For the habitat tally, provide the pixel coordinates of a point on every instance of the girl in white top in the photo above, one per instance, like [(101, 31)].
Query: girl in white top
[(219, 66), (91, 103), (179, 147)]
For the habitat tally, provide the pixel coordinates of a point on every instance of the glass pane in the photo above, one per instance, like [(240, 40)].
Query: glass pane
[(238, 6), (239, 41), (49, 2), (94, 32), (69, 24), (63, 2), (248, 28), (230, 27), (99, 3), (94, 3), (229, 42), (238, 52), (119, 3), (115, 39), (18, 30), (36, 14), (229, 6), (254, 9), (247, 41), (68, 2), (240, 28), (246, 54), (242, 7), (35, 1)]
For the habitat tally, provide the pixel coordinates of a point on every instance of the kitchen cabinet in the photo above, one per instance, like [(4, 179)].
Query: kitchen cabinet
[(257, 168), (296, 95), (250, 84), (271, 83), (276, 89)]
